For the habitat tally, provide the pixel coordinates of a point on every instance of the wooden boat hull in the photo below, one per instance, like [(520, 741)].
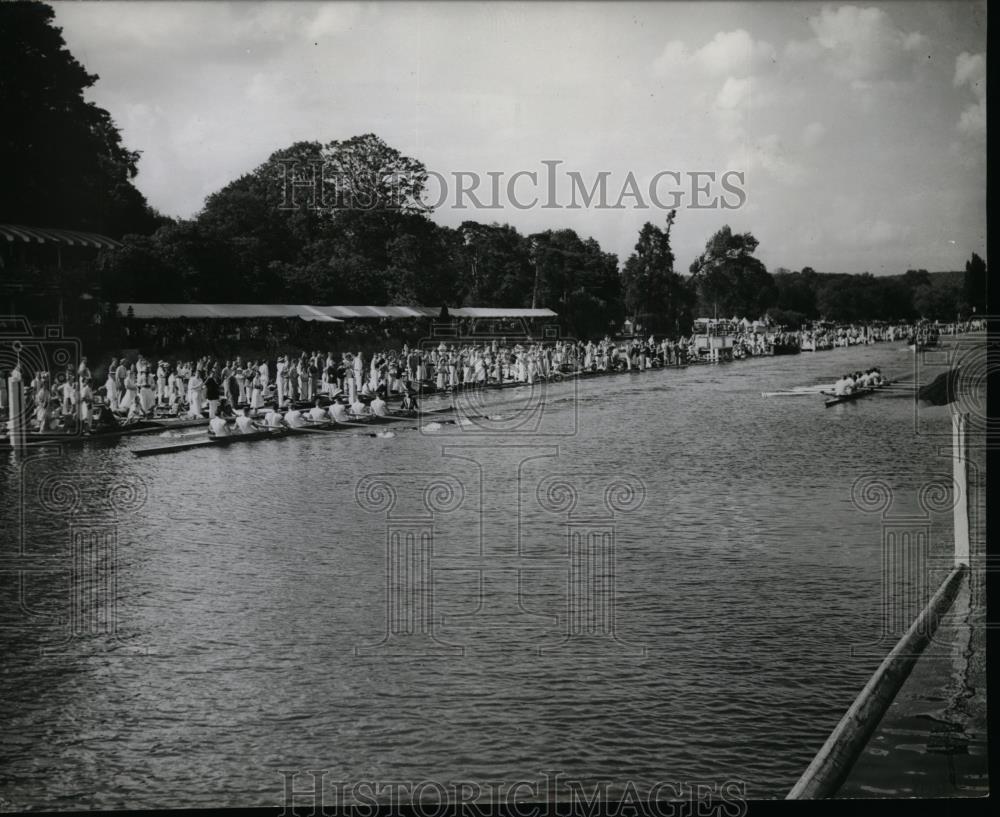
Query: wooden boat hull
[(213, 442), (836, 400), (318, 428)]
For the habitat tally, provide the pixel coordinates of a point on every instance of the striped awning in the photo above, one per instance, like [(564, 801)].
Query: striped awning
[(500, 312), (317, 313), (169, 311), (382, 311), (39, 235)]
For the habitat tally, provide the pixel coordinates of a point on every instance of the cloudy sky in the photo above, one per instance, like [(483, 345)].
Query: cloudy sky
[(860, 129)]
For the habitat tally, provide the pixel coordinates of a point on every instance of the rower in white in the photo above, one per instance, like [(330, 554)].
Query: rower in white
[(244, 422), (317, 413), (338, 412), (294, 418), (379, 407), (273, 419), (218, 427)]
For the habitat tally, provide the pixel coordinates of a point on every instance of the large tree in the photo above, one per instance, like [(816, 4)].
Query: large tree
[(364, 173), (974, 284), (64, 164), (729, 279), (497, 265), (796, 292), (577, 279), (656, 296), (280, 233)]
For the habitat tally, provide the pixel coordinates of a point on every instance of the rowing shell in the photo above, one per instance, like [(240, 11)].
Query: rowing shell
[(836, 400), (271, 434)]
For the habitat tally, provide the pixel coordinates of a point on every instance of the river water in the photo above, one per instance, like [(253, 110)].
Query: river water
[(728, 610)]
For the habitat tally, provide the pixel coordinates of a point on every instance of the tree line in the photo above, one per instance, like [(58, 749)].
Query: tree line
[(364, 237), (251, 243)]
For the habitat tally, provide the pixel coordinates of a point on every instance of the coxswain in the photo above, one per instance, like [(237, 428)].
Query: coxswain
[(244, 422), (218, 427), (379, 407), (409, 404), (105, 419)]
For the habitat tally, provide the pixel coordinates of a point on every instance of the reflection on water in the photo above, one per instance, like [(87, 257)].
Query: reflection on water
[(264, 611)]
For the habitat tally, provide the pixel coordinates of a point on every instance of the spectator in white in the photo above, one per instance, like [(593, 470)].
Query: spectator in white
[(86, 404), (280, 377), (83, 371), (161, 383), (120, 374)]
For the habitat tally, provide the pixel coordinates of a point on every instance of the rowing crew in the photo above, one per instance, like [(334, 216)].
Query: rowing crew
[(850, 383), (338, 412)]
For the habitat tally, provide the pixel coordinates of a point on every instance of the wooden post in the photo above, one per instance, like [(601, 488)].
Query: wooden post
[(15, 425), (835, 759), (960, 460)]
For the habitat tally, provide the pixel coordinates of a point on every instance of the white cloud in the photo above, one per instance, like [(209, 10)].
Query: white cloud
[(207, 91), (776, 160), (813, 133), (728, 53), (973, 119), (863, 45), (332, 19), (875, 232), (674, 55), (970, 69), (734, 53)]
